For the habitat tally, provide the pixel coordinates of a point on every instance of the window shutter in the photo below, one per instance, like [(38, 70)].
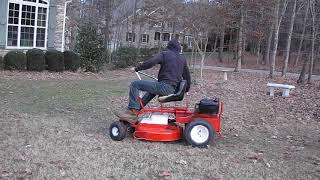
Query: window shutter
[(3, 22), (147, 38), (127, 37), (52, 23)]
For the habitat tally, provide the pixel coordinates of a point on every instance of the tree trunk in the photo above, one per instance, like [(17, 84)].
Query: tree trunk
[(159, 42), (221, 46), (203, 55), (234, 44), (258, 50), (286, 60), (240, 39), (267, 52), (202, 51), (193, 60), (192, 56), (139, 37), (303, 71), (277, 23), (302, 35), (215, 44), (313, 12), (244, 45)]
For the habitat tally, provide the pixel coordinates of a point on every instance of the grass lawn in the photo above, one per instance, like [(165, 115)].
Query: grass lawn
[(55, 128)]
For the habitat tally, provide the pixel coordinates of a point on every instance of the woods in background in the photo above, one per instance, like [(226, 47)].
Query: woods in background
[(268, 29)]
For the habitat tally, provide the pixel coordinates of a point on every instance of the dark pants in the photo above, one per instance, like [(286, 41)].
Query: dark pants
[(152, 88)]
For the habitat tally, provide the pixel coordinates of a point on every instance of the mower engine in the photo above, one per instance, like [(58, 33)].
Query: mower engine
[(157, 118)]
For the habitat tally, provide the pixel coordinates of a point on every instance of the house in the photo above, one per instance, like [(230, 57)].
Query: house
[(144, 33), (27, 24)]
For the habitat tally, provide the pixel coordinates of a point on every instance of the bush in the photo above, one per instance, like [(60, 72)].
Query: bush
[(186, 48), (35, 60), (90, 46), (1, 63), (124, 57), (54, 60), (148, 52), (71, 61), (15, 60)]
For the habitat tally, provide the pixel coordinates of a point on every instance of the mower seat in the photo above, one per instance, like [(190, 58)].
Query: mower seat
[(177, 96)]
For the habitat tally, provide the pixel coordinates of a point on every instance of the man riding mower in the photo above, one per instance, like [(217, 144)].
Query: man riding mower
[(163, 124)]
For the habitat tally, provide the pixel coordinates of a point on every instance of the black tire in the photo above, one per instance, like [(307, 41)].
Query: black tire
[(203, 127), (118, 131)]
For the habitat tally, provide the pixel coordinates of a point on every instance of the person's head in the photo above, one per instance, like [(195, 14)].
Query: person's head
[(174, 45)]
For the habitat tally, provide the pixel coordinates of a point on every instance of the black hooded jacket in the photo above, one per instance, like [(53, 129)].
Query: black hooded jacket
[(173, 68)]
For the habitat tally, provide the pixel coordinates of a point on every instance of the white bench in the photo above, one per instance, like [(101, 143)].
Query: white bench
[(285, 88)]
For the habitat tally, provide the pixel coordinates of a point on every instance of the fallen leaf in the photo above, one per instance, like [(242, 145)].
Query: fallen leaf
[(5, 174), (164, 174), (62, 172), (181, 161), (215, 178)]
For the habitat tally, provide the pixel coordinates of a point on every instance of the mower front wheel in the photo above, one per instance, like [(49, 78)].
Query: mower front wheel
[(199, 133), (118, 131)]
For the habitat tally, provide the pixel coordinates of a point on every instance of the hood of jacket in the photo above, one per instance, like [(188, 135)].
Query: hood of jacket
[(174, 45)]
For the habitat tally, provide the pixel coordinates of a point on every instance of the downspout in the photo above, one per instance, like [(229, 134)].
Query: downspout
[(64, 25)]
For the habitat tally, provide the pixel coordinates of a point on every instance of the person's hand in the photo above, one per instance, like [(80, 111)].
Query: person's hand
[(133, 69)]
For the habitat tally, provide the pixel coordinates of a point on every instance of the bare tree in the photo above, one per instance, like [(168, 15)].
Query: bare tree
[(268, 46), (278, 15), (301, 79), (240, 39), (200, 29), (313, 14), (305, 18), (221, 47), (286, 60)]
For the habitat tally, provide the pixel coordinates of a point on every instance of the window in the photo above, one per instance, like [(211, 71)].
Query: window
[(12, 35), (188, 40), (145, 38), (165, 37), (43, 2), (159, 24), (157, 36), (176, 36), (27, 23), (170, 25), (131, 37)]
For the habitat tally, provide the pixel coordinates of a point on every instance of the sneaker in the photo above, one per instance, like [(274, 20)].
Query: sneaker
[(127, 115)]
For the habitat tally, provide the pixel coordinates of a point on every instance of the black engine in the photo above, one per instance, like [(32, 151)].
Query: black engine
[(208, 106)]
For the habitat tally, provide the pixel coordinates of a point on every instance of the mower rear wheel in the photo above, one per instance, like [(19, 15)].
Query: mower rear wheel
[(118, 131), (199, 133)]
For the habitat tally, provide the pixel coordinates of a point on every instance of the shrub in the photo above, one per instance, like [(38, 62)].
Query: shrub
[(54, 60), (124, 57), (90, 46), (1, 63), (185, 48), (35, 60), (15, 60), (71, 61)]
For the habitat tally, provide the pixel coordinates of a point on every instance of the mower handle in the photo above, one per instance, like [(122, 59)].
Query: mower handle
[(139, 72)]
